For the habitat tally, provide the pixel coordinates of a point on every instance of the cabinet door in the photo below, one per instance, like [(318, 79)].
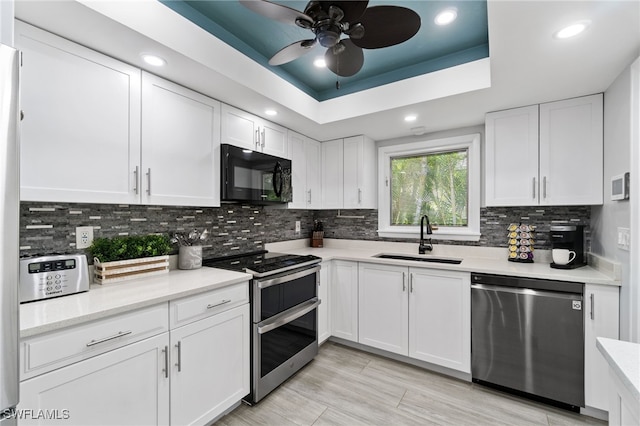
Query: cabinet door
[(440, 318), (324, 319), (571, 151), (80, 137), (601, 320), (125, 386), (313, 152), (209, 366), (344, 300), (180, 145), (239, 128), (511, 157), (273, 139), (332, 174), (360, 188), (383, 307), (298, 170)]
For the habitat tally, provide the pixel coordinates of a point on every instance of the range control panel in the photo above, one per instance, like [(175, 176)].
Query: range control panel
[(44, 277)]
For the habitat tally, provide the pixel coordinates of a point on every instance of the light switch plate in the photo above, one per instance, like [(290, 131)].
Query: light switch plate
[(624, 238), (84, 236)]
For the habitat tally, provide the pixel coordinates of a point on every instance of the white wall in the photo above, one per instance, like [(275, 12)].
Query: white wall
[(606, 219), (6, 22)]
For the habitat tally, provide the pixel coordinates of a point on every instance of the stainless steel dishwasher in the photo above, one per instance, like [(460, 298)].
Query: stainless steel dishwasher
[(527, 336)]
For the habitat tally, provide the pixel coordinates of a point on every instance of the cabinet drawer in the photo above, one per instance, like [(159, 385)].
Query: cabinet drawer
[(49, 351), (189, 309)]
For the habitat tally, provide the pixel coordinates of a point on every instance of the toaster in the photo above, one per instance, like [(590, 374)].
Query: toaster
[(44, 277)]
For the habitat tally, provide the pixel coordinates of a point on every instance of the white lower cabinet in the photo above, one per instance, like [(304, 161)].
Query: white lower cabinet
[(420, 313), (344, 300), (116, 371), (440, 318), (324, 317), (601, 320), (209, 366), (124, 386), (383, 304)]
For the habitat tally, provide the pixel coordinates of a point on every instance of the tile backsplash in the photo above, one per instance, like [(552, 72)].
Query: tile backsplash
[(50, 227)]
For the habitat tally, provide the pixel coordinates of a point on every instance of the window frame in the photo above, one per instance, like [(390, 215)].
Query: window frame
[(471, 143)]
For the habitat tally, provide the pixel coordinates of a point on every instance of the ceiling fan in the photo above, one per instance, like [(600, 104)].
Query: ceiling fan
[(366, 27)]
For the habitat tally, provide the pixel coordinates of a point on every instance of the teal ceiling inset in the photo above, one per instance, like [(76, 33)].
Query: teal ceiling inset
[(433, 48)]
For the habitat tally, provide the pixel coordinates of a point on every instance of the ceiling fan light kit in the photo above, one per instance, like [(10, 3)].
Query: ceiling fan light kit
[(365, 27)]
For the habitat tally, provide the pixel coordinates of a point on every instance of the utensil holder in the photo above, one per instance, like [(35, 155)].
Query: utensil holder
[(190, 257), (316, 238)]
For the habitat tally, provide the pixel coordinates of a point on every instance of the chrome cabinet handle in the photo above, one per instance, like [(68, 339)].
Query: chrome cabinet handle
[(165, 370), (410, 283), (224, 302), (359, 196), (149, 181), (179, 363), (106, 339), (309, 199), (263, 137), (591, 297), (257, 138), (404, 284), (135, 174), (544, 187), (534, 187)]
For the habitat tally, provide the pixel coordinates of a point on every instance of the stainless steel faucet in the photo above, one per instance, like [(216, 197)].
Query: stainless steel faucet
[(424, 246)]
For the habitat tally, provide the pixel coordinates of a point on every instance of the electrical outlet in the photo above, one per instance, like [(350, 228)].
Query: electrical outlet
[(84, 236), (297, 226)]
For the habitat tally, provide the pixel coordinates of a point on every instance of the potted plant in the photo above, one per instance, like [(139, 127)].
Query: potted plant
[(126, 257)]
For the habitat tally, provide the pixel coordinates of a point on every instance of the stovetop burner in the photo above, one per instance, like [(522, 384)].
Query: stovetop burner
[(262, 263)]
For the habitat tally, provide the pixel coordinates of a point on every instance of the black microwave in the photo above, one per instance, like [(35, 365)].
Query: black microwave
[(253, 177)]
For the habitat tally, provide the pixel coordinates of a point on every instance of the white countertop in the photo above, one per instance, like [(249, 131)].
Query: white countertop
[(109, 299), (624, 360), (489, 260)]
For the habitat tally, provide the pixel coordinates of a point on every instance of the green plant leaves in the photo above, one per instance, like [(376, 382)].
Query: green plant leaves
[(129, 247)]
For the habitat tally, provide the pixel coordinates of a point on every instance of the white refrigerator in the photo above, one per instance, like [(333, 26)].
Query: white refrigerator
[(9, 228)]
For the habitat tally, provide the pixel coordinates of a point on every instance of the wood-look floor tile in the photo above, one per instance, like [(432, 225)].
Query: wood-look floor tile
[(347, 387)]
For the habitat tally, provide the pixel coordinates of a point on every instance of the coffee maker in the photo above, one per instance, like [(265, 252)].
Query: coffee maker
[(569, 237)]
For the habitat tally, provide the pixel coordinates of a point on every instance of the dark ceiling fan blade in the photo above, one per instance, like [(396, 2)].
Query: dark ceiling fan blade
[(292, 51), (353, 10), (386, 26), (348, 61), (275, 11)]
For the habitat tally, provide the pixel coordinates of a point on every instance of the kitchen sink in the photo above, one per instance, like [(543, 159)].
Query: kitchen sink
[(433, 259)]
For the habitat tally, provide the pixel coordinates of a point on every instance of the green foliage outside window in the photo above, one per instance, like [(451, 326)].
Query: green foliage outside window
[(433, 184)]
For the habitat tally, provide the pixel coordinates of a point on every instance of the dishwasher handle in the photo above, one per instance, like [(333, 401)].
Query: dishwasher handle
[(526, 291), (526, 282)]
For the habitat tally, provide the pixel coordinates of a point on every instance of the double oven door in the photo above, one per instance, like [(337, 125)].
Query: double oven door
[(284, 327)]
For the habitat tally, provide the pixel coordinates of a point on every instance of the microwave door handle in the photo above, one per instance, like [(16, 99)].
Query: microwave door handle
[(277, 171)]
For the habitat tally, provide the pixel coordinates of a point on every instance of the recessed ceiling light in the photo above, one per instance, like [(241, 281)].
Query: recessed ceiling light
[(154, 60), (320, 63), (411, 118), (271, 112), (572, 30), (447, 16)]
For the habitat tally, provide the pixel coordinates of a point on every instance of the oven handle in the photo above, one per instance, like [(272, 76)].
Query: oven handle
[(286, 278), (288, 316)]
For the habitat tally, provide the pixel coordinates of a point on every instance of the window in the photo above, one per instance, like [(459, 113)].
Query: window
[(439, 178)]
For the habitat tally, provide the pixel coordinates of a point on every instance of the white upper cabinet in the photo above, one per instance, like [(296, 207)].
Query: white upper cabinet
[(551, 154), (512, 157), (305, 156), (180, 145), (80, 137), (245, 130), (360, 183), (332, 168), (349, 173), (571, 151)]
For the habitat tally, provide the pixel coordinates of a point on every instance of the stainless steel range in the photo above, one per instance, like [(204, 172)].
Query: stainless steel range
[(284, 314)]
